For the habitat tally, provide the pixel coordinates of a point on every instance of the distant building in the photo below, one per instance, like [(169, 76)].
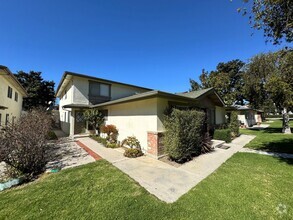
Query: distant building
[(11, 97)]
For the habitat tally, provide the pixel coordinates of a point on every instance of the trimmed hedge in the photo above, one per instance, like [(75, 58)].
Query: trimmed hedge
[(184, 134), (234, 124), (223, 134)]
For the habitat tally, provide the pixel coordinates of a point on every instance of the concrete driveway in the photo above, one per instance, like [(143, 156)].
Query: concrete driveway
[(165, 181)]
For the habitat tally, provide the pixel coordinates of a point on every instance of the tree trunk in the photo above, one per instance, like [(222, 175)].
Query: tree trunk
[(286, 125)]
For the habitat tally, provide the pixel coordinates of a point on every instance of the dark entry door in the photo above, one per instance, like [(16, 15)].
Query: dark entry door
[(79, 125)]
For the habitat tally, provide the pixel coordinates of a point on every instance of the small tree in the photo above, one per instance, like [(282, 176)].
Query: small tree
[(94, 118), (111, 131), (23, 145)]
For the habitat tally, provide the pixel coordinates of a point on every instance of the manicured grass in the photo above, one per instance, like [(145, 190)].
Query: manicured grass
[(271, 139), (247, 186)]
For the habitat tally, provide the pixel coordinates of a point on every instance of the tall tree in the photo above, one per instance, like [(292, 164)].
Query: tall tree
[(274, 17), (257, 73), (194, 85), (268, 79), (40, 92), (226, 79)]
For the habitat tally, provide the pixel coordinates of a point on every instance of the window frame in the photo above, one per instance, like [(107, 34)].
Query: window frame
[(9, 93), (16, 96), (98, 85), (7, 119)]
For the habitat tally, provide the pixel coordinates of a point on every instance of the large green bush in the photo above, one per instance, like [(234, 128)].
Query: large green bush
[(184, 134), (234, 124), (223, 134)]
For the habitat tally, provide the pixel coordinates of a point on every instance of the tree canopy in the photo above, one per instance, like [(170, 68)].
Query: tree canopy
[(266, 81), (226, 79), (274, 17), (40, 92)]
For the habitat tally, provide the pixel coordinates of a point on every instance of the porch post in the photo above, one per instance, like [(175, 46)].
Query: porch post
[(72, 121)]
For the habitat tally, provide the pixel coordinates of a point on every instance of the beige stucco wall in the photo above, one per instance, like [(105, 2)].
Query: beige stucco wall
[(64, 100), (81, 90), (162, 104), (120, 91), (14, 107), (134, 118), (220, 115)]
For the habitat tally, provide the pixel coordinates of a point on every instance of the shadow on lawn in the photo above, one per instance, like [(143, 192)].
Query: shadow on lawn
[(273, 130), (280, 146), (286, 160)]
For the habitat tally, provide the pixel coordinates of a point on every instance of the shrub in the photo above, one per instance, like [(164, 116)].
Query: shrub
[(223, 134), (112, 145), (184, 134), (111, 131), (234, 124), (222, 126), (51, 136), (132, 152), (23, 145), (131, 142), (99, 139), (206, 143)]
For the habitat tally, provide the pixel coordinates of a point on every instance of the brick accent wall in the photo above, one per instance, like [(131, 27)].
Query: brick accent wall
[(155, 144)]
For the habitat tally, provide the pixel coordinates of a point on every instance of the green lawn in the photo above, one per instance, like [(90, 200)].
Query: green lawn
[(247, 186), (271, 138)]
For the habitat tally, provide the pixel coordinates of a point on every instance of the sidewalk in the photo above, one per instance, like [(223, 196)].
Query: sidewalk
[(167, 182)]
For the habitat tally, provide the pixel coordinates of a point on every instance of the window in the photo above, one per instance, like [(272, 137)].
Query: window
[(16, 97), (7, 119), (64, 117), (0, 119), (99, 89), (9, 94), (104, 90), (13, 119)]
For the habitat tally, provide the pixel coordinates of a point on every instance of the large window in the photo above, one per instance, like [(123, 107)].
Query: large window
[(99, 89), (9, 94)]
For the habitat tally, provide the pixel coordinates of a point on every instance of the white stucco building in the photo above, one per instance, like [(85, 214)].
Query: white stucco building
[(134, 110), (11, 97)]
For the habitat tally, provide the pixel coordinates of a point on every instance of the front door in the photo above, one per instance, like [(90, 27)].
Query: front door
[(79, 125)]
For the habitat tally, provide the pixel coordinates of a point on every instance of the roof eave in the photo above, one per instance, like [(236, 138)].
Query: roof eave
[(146, 95), (58, 92)]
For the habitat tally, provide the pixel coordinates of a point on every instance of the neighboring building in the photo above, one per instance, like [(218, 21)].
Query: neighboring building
[(249, 116), (11, 97), (132, 109)]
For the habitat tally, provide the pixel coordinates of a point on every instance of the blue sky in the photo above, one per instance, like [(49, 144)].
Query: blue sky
[(158, 44)]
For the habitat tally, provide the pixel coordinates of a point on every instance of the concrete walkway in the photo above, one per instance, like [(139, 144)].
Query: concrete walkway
[(165, 181), (273, 154)]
